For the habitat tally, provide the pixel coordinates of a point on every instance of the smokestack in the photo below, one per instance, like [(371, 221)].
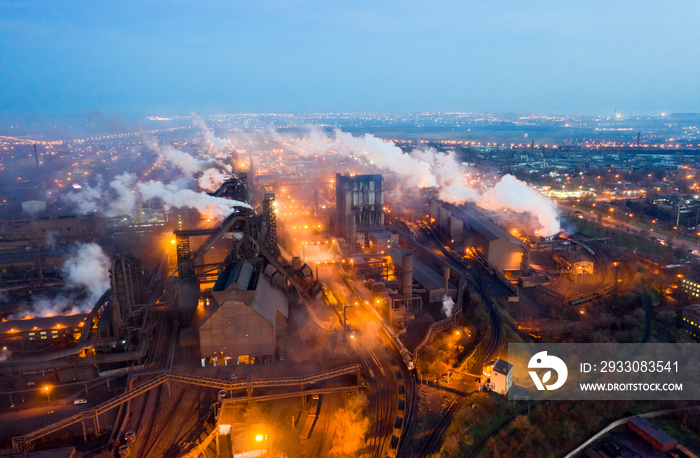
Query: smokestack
[(446, 273), (407, 275), (316, 202), (251, 172), (638, 135), (36, 156)]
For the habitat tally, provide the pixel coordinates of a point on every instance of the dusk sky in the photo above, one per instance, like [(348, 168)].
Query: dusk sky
[(556, 57)]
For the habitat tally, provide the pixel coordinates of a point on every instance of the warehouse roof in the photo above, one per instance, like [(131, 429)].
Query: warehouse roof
[(258, 293), (652, 431), (237, 276), (502, 367), (482, 225)]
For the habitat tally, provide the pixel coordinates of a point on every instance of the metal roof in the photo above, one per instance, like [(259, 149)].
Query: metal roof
[(238, 276), (264, 299), (481, 224), (502, 367), (652, 431)]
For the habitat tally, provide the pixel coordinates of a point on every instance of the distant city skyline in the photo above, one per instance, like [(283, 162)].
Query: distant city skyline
[(593, 58)]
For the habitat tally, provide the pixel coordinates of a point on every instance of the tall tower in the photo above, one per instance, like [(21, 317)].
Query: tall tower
[(270, 213), (36, 156), (251, 172), (359, 204)]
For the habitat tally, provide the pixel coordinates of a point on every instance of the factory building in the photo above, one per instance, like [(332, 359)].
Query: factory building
[(501, 377), (246, 316), (501, 249), (467, 226), (691, 286), (359, 202), (574, 262), (431, 282), (48, 231), (470, 227), (34, 250), (22, 334), (380, 242), (691, 320)]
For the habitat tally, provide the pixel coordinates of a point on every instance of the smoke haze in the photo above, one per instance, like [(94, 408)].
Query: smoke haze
[(431, 168), (86, 273)]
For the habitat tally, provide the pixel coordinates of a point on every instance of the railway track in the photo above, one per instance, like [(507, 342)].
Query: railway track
[(433, 439)]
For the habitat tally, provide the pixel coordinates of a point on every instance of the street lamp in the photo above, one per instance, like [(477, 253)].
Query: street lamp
[(260, 438), (47, 389)]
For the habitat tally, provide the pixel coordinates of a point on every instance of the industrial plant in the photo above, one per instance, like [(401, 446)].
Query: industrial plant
[(247, 296)]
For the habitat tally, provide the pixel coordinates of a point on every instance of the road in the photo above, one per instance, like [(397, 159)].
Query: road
[(611, 222)]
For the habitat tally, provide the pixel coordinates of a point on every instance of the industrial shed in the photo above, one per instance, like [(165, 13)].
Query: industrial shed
[(431, 281), (500, 248), (245, 317), (43, 330), (650, 433)]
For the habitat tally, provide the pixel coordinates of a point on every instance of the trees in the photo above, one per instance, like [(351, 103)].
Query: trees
[(352, 425)]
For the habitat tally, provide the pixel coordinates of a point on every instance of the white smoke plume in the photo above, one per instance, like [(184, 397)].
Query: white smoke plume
[(88, 199), (212, 179), (208, 133), (118, 199), (512, 194), (214, 171), (185, 162), (431, 168), (88, 268), (124, 185), (5, 355), (174, 197), (86, 274), (447, 305)]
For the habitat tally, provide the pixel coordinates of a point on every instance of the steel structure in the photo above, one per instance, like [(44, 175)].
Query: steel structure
[(270, 215), (24, 443)]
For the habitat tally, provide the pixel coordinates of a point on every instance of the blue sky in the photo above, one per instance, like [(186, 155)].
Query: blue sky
[(561, 57)]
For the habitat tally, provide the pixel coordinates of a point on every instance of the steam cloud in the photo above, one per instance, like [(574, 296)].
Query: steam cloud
[(118, 199), (214, 172), (86, 273), (513, 194), (185, 162), (431, 168), (5, 355), (174, 197), (211, 179), (208, 133), (419, 168), (447, 305)]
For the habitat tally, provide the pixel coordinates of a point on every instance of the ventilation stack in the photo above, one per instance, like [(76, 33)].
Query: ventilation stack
[(446, 273), (407, 275)]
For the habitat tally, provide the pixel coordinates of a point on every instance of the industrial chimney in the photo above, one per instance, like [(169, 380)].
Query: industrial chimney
[(407, 275)]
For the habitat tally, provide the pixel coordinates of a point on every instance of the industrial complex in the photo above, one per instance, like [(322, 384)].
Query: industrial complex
[(272, 294)]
